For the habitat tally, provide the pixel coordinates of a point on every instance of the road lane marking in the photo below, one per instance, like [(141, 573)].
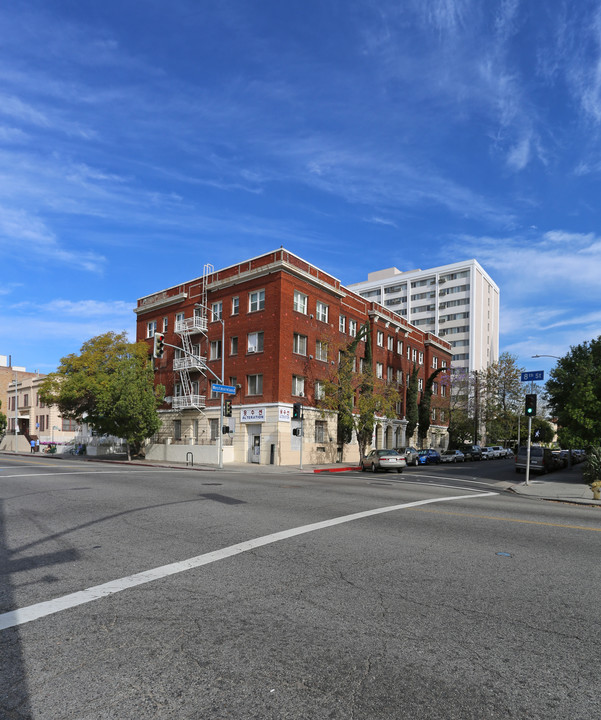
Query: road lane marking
[(514, 520), (90, 472), (50, 607)]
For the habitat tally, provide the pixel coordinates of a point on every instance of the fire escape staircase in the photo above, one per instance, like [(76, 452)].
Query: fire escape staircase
[(189, 360)]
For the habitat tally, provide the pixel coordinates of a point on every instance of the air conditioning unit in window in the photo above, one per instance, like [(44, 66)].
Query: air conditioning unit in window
[(252, 349)]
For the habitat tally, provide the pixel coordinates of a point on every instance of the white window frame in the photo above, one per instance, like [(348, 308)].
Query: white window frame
[(352, 328), (389, 375), (298, 386), (342, 324), (234, 345), (299, 344), (215, 350), (435, 362), (321, 350), (254, 343), (165, 324), (301, 302), (254, 384), (391, 343), (216, 311), (151, 328), (421, 358), (235, 305), (380, 338), (320, 391), (420, 384), (399, 347), (379, 370), (322, 311), (256, 300), (321, 427)]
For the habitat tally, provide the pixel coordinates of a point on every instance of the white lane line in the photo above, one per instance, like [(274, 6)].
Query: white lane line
[(34, 612), (88, 472)]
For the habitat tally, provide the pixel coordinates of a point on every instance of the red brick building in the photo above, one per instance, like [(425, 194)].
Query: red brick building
[(275, 323)]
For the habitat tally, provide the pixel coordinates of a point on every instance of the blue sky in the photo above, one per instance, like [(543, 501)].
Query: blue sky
[(141, 140)]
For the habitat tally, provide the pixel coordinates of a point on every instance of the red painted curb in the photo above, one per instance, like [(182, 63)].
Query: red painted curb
[(336, 469)]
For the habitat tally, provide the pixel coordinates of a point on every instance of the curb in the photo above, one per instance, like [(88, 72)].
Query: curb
[(342, 469)]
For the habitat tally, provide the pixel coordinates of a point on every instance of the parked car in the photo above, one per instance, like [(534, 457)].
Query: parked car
[(493, 453), (472, 452), (383, 460), (541, 459), (487, 453), (452, 456), (501, 451), (429, 457), (410, 454)]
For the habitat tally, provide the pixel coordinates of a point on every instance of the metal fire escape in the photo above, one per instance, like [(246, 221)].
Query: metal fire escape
[(191, 361)]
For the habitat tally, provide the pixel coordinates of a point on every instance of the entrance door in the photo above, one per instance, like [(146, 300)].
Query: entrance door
[(255, 449)]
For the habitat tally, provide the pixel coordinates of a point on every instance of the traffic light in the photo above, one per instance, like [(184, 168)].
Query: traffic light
[(530, 405), (159, 345), (227, 408), (297, 411)]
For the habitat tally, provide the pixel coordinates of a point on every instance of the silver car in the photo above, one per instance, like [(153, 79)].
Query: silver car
[(410, 454), (383, 460), (453, 456)]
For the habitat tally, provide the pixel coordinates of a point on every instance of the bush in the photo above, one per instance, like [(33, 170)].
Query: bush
[(592, 467)]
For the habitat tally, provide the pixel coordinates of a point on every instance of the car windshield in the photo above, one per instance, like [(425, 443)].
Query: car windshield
[(382, 453)]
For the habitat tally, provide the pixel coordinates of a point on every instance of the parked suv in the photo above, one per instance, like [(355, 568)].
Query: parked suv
[(472, 452), (410, 454), (541, 459)]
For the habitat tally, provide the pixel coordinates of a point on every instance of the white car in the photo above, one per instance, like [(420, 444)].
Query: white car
[(383, 460), (487, 453), (452, 456)]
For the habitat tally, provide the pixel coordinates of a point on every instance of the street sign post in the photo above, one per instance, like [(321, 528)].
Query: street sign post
[(227, 389), (533, 375)]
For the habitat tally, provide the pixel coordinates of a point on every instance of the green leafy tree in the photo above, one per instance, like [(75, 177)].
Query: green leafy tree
[(463, 391), (503, 395), (3, 421), (411, 409), (110, 386), (358, 397), (424, 406), (574, 393)]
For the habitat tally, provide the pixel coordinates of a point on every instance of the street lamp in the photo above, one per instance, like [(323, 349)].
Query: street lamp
[(553, 356)]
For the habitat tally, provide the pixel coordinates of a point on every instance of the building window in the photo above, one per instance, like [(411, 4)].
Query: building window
[(389, 375), (433, 414), (215, 350), (235, 305), (443, 416), (256, 300), (408, 353), (435, 362), (321, 310), (300, 302), (443, 390), (234, 346), (255, 342), (321, 350), (299, 344), (399, 377), (390, 343), (216, 311), (399, 347), (435, 388), (298, 385), (214, 425), (414, 355), (179, 320), (177, 390), (342, 324), (352, 328), (380, 337), (421, 358), (379, 370), (177, 429), (361, 365), (319, 390), (26, 400), (151, 328), (320, 431), (254, 384), (420, 384), (165, 324)]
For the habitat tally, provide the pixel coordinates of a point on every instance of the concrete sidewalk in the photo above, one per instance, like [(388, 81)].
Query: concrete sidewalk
[(564, 485)]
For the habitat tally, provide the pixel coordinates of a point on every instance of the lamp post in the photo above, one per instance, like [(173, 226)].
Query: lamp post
[(553, 356), (16, 413)]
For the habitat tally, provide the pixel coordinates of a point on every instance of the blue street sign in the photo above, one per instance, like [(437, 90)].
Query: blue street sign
[(227, 389), (533, 375)]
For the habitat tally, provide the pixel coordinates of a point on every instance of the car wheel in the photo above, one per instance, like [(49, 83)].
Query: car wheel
[(373, 467), (362, 467), (399, 470)]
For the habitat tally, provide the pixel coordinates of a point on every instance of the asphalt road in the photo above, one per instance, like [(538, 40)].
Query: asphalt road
[(131, 592)]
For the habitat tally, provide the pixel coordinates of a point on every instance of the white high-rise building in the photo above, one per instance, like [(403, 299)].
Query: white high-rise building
[(457, 302)]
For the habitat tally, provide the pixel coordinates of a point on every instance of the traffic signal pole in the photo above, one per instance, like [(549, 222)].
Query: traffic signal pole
[(528, 451)]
